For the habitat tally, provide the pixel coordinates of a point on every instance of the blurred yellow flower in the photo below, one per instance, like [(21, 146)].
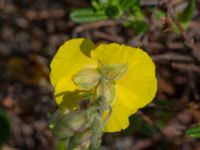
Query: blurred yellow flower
[(130, 82)]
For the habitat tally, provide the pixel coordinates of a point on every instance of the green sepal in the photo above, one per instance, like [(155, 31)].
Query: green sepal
[(86, 79), (106, 91), (114, 71)]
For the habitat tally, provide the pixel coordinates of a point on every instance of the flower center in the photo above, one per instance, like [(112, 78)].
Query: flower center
[(101, 80)]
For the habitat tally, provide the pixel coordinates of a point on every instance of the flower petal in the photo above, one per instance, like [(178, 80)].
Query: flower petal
[(70, 58), (140, 78), (124, 106), (66, 94)]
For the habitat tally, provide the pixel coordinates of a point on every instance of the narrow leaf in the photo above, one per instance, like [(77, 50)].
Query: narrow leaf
[(87, 15), (194, 131), (187, 14)]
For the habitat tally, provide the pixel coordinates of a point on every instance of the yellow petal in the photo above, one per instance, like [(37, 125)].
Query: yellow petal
[(140, 78), (66, 94), (112, 54), (72, 56), (124, 106)]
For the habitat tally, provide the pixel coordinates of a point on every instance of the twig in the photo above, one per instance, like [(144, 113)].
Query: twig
[(108, 36), (186, 67), (172, 57), (44, 14), (94, 25), (188, 40)]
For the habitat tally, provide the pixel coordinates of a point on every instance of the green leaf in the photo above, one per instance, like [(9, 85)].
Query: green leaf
[(187, 14), (126, 4), (194, 131), (87, 15), (4, 125), (137, 12), (140, 27), (139, 21)]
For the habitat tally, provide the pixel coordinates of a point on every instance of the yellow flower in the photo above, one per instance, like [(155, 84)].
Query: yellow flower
[(134, 86)]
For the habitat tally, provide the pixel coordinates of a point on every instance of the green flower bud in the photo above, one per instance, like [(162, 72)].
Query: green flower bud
[(66, 125), (114, 71), (86, 79)]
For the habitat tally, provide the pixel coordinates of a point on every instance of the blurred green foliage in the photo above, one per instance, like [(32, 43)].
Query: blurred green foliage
[(185, 16), (4, 125), (194, 131), (129, 11), (60, 145)]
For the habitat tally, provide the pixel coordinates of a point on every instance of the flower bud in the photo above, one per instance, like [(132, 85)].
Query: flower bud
[(66, 125)]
